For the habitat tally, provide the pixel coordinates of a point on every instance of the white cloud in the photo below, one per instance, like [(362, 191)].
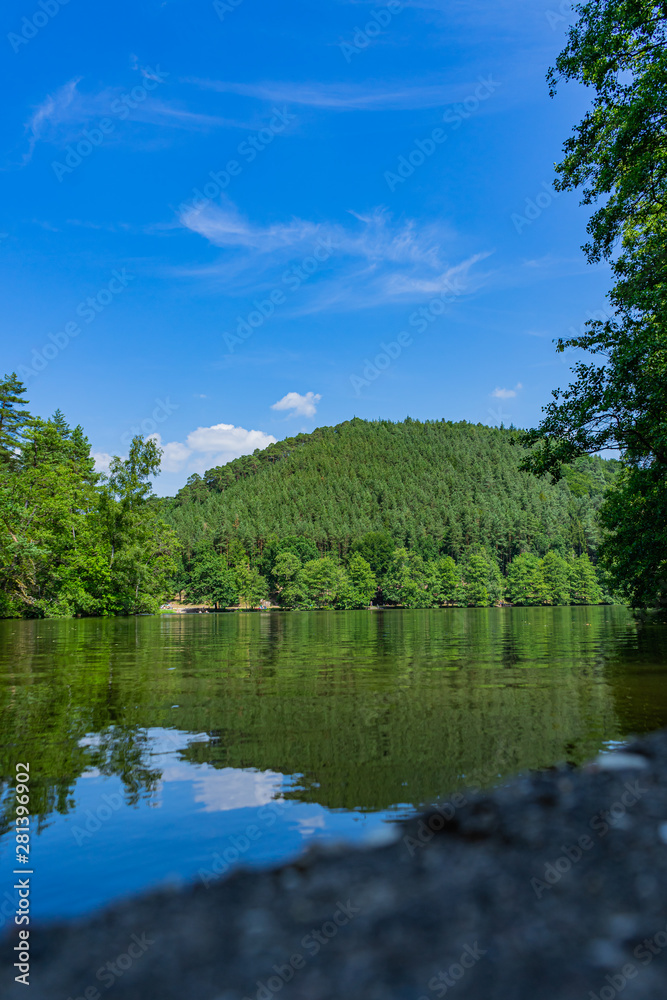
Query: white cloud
[(174, 455), (102, 460), (302, 406), (203, 448), (507, 393), (227, 438), (207, 447)]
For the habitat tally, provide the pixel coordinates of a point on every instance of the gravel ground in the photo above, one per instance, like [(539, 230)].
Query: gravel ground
[(553, 887)]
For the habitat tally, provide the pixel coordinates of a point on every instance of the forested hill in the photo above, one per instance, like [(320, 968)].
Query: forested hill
[(436, 487)]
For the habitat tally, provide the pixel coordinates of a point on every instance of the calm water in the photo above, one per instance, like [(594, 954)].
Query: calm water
[(164, 748)]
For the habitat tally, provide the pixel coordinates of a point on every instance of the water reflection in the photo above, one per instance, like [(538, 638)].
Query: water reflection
[(194, 724)]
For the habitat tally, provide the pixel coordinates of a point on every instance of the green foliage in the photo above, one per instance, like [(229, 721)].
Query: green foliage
[(556, 577), (584, 586), (635, 516), (213, 583), (12, 418), (448, 580), (252, 588), (406, 582), (318, 584), (435, 488), (618, 157), (481, 581), (525, 580), (377, 549), (360, 587), (285, 569), (73, 542), (431, 513)]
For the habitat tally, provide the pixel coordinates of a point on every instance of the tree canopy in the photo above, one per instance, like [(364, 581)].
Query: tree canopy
[(412, 514), (73, 541), (617, 156)]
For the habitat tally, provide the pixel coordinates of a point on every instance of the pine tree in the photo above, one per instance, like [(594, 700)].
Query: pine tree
[(584, 585), (13, 419), (556, 574), (525, 580)]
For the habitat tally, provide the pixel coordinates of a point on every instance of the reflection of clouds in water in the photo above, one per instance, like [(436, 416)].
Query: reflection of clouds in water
[(308, 825), (171, 740), (217, 790), (227, 788)]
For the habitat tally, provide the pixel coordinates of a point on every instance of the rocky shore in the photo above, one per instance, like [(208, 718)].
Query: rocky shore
[(553, 887)]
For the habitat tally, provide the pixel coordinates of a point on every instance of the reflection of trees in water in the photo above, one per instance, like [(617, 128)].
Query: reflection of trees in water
[(120, 751), (370, 708), (123, 751)]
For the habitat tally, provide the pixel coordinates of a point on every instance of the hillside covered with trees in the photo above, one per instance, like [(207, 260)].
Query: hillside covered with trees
[(430, 513), (409, 514)]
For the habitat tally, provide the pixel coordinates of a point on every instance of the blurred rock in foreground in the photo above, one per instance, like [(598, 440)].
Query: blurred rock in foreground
[(553, 887)]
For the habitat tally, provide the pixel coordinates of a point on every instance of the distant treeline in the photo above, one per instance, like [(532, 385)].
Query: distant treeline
[(415, 515), (376, 572), (412, 514)]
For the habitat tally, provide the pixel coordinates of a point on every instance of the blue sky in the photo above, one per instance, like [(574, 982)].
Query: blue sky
[(227, 223)]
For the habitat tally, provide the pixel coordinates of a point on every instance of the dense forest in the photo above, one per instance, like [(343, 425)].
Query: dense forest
[(72, 541), (411, 514)]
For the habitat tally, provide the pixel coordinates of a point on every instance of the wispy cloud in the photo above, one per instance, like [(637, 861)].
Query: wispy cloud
[(345, 96), (52, 112), (62, 115), (224, 226), (374, 259), (301, 406)]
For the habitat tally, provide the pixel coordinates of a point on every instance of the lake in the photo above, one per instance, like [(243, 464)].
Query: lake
[(169, 749)]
